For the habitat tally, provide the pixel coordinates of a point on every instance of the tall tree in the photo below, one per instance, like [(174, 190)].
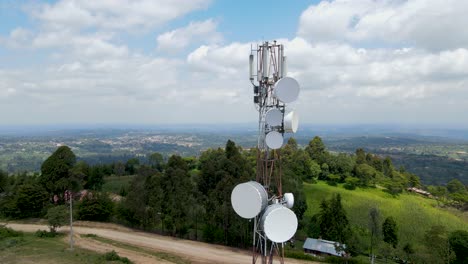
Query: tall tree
[(387, 167), (156, 161), (178, 195), (3, 181), (316, 149), (390, 231), (56, 176), (374, 228), (333, 222), (360, 156)]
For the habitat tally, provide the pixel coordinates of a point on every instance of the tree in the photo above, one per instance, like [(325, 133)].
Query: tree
[(333, 222), (317, 150), (156, 161), (177, 189), (132, 165), (29, 200), (360, 156), (314, 170), (95, 179), (3, 181), (374, 228), (389, 231), (459, 243), (387, 167), (56, 176), (455, 186), (365, 173), (95, 207), (56, 217)]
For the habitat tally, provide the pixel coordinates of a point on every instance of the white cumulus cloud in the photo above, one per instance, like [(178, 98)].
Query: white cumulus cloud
[(434, 25), (114, 14), (204, 32)]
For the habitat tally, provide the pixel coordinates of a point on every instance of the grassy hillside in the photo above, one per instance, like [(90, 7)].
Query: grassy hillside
[(414, 214)]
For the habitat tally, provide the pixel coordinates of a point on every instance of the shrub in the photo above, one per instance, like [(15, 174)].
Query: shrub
[(339, 260), (113, 256), (6, 232), (96, 207), (56, 217), (300, 255), (44, 233), (89, 235), (332, 183)]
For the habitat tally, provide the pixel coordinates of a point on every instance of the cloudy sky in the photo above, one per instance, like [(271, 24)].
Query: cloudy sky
[(186, 61)]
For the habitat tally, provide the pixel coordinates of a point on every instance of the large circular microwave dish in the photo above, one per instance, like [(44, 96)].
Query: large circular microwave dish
[(274, 140), (274, 117), (279, 223), (289, 199), (286, 90), (291, 122), (248, 199)]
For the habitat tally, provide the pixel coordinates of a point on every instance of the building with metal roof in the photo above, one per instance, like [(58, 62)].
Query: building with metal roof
[(322, 247)]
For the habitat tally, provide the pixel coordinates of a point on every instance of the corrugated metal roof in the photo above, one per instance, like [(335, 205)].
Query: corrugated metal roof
[(324, 246)]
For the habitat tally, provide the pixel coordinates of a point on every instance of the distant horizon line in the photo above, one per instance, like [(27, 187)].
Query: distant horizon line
[(243, 124), (388, 127)]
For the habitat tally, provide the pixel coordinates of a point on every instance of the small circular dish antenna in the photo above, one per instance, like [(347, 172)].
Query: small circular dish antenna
[(274, 140), (248, 199), (286, 90), (291, 122), (279, 223), (289, 199), (274, 117)]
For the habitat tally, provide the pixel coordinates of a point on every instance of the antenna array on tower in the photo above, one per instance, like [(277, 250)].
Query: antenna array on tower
[(263, 199)]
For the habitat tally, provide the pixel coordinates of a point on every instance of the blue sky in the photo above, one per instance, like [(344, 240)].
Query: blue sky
[(161, 61)]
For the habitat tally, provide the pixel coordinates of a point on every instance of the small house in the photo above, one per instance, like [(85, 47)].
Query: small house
[(321, 248)]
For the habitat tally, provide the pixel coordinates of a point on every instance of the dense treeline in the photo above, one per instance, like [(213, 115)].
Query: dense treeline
[(190, 197)]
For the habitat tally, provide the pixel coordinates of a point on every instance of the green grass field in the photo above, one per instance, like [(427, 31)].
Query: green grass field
[(414, 214), (32, 249), (113, 184)]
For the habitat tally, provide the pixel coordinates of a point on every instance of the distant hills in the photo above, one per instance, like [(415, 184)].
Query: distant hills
[(436, 155)]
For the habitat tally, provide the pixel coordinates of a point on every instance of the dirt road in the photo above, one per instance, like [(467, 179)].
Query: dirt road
[(194, 252)]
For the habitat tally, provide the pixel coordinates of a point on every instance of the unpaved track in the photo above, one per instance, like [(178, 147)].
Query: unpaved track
[(195, 252)]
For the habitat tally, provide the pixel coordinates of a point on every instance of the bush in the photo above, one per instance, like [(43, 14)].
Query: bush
[(9, 237), (6, 232), (56, 217), (113, 256), (338, 260), (300, 255), (349, 186), (332, 183), (44, 233), (96, 207), (89, 235)]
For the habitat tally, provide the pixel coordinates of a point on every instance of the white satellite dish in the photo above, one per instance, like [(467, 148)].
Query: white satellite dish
[(248, 199), (279, 223), (291, 122), (274, 117), (289, 199), (286, 90), (274, 140)]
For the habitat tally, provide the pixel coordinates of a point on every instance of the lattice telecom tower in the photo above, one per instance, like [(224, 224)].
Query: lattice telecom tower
[(262, 200)]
